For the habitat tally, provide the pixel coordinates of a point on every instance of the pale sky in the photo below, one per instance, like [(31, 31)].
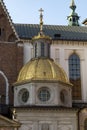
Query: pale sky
[(55, 11)]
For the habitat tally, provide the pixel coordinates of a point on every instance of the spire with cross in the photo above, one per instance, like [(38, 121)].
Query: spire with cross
[(41, 20)]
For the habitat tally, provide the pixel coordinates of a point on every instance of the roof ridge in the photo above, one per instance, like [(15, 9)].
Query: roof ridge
[(38, 24)]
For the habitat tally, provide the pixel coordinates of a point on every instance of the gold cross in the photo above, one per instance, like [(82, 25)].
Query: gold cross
[(41, 20), (41, 10)]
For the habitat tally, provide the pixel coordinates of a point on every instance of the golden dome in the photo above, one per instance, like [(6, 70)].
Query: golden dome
[(42, 69)]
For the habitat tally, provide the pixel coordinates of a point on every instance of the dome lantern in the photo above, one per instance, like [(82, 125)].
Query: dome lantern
[(41, 42)]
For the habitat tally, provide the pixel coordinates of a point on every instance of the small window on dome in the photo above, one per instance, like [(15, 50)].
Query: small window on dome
[(42, 49), (44, 94), (35, 49), (23, 95)]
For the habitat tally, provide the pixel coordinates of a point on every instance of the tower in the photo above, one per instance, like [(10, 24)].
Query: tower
[(73, 17)]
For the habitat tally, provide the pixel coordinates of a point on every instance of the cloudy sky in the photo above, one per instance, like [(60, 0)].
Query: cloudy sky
[(55, 11)]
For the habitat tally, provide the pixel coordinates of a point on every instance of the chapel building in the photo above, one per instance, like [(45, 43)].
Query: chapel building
[(43, 74)]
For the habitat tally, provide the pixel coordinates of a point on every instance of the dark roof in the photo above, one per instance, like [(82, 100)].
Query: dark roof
[(27, 31)]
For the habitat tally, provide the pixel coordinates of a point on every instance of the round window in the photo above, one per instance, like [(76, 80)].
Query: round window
[(23, 95), (44, 94)]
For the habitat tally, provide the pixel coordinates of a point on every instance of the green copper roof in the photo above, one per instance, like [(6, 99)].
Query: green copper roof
[(73, 17), (27, 31)]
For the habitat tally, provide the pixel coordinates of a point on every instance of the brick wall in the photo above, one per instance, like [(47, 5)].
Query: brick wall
[(11, 61)]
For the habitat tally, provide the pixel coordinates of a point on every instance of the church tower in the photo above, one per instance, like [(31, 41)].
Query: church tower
[(73, 18)]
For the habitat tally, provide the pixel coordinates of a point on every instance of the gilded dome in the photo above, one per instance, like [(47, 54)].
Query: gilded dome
[(42, 69)]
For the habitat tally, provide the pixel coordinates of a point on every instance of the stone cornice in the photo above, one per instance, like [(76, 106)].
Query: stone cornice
[(46, 108), (69, 42)]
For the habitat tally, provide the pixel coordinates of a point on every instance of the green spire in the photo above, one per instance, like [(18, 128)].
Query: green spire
[(73, 17), (72, 5)]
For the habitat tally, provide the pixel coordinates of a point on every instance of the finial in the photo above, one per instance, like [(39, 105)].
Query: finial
[(72, 5), (41, 20), (72, 2), (14, 116)]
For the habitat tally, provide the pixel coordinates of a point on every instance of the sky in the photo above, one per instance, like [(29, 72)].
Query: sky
[(55, 11)]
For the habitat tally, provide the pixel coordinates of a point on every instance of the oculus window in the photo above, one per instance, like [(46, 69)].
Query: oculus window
[(44, 94), (23, 95)]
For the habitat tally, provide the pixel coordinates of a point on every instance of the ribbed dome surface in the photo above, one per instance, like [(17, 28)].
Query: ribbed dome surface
[(42, 69)]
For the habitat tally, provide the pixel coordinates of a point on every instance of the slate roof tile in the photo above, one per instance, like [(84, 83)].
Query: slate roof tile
[(27, 31)]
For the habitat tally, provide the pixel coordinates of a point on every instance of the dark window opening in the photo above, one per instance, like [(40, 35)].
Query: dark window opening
[(36, 50), (70, 19), (2, 32), (48, 50), (73, 19), (75, 76), (57, 35), (42, 49)]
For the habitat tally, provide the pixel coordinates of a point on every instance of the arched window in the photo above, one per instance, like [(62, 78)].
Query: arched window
[(42, 49), (4, 89), (36, 50), (73, 19), (75, 76), (85, 124)]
